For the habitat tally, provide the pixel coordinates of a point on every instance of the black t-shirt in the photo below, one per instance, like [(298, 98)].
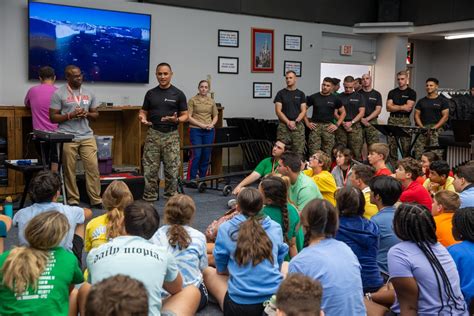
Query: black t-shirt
[(400, 97), (291, 101), (352, 102), (371, 100), (323, 107), (164, 102), (430, 109)]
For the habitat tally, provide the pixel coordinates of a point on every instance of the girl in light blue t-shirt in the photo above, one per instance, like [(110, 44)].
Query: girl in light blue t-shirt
[(187, 244)]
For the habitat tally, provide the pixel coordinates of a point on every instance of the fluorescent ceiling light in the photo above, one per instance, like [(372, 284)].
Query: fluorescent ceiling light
[(459, 36)]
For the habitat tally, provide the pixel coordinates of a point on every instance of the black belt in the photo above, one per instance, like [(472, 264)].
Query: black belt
[(400, 114), (165, 128)]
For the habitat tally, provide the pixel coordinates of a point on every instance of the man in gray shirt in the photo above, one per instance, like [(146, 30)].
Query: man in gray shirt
[(72, 107)]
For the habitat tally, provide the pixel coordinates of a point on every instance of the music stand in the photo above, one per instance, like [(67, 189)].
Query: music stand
[(393, 131)]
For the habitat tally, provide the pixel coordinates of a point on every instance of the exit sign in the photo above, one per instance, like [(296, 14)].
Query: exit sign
[(346, 50)]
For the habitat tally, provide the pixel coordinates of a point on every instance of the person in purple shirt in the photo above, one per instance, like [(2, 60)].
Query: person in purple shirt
[(38, 99), (422, 271)]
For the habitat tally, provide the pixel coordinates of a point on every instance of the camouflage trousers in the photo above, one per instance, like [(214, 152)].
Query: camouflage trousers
[(430, 139), (295, 139), (371, 134), (160, 147), (404, 141), (320, 139), (353, 139)]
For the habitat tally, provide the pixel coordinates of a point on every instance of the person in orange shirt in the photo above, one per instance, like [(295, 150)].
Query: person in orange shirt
[(445, 203)]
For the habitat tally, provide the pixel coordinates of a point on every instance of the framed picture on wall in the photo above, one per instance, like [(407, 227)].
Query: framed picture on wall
[(293, 42), (228, 65), (262, 90), (292, 65), (262, 50), (227, 38)]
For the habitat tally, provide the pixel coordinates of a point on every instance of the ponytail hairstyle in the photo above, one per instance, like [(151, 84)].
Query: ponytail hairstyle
[(24, 265), (179, 211), (253, 243), (275, 190), (319, 218), (414, 222), (115, 199)]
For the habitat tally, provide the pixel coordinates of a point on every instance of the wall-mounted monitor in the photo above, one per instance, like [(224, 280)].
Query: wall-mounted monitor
[(107, 45)]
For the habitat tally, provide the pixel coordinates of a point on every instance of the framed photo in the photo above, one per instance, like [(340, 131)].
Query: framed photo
[(227, 38), (293, 42), (262, 90), (262, 50), (228, 65), (292, 65)]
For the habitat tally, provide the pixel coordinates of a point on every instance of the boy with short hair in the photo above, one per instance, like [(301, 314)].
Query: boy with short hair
[(320, 163), (445, 203), (360, 178), (378, 154), (439, 178), (299, 295), (413, 192)]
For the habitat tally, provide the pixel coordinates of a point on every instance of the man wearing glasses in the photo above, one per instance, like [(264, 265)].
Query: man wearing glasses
[(72, 106), (266, 166)]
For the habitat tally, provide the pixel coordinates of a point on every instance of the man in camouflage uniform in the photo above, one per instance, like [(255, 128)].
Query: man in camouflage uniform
[(431, 112), (373, 107), (290, 108), (163, 108), (350, 132), (322, 123), (400, 102)]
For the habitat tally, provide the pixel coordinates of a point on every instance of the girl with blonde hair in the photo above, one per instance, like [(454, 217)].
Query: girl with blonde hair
[(36, 279), (99, 230)]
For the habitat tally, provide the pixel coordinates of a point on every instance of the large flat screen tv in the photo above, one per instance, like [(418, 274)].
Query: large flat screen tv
[(107, 45)]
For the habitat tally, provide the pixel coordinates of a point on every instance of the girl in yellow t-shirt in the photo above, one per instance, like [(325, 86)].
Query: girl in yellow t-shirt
[(107, 226)]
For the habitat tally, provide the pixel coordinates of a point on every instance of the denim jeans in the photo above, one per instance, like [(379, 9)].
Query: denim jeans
[(199, 160)]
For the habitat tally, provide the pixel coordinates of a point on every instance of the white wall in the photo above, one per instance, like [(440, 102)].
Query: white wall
[(185, 38)]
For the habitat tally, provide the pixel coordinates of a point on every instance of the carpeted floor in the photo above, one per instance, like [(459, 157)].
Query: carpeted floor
[(209, 206)]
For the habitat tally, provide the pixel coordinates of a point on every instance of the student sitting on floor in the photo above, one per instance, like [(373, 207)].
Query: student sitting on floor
[(187, 244), (360, 234), (44, 193), (343, 169), (134, 255), (378, 154), (37, 279), (360, 178), (5, 225), (427, 159), (329, 261), (463, 253), (320, 163), (277, 207), (299, 295), (117, 295), (101, 229), (445, 204), (249, 252), (464, 184), (407, 172), (439, 178)]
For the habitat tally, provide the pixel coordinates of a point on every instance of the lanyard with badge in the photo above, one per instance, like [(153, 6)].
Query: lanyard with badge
[(77, 98)]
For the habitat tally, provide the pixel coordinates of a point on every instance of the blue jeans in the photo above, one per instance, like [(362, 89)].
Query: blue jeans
[(200, 157)]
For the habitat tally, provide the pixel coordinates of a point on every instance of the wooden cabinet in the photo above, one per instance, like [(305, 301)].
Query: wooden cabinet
[(7, 131)]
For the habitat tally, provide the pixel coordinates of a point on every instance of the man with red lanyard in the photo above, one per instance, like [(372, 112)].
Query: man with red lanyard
[(72, 107)]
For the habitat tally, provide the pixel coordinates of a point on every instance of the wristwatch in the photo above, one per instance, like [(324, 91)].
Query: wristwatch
[(352, 122)]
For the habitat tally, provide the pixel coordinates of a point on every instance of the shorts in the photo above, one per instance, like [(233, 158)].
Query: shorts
[(233, 309), (77, 246), (204, 296)]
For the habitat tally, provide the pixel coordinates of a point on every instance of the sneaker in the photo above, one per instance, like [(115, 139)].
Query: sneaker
[(150, 200)]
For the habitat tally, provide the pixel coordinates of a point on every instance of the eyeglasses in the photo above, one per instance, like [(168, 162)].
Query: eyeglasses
[(313, 157), (77, 76)]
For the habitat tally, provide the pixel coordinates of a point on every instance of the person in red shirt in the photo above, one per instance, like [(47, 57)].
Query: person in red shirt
[(378, 153), (413, 192)]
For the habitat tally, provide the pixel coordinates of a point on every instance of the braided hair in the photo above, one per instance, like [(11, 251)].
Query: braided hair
[(275, 190), (463, 224), (414, 222)]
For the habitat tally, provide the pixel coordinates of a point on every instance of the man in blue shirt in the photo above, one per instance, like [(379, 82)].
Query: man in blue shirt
[(384, 193), (464, 184)]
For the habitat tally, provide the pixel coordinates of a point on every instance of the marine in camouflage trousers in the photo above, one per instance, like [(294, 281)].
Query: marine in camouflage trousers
[(160, 147), (353, 139), (295, 139), (371, 134), (404, 141), (320, 139), (428, 139)]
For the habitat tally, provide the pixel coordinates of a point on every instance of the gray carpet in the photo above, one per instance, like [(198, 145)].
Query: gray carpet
[(209, 206)]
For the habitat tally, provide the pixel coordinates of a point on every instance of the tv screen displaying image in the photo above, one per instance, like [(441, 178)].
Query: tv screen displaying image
[(107, 45)]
